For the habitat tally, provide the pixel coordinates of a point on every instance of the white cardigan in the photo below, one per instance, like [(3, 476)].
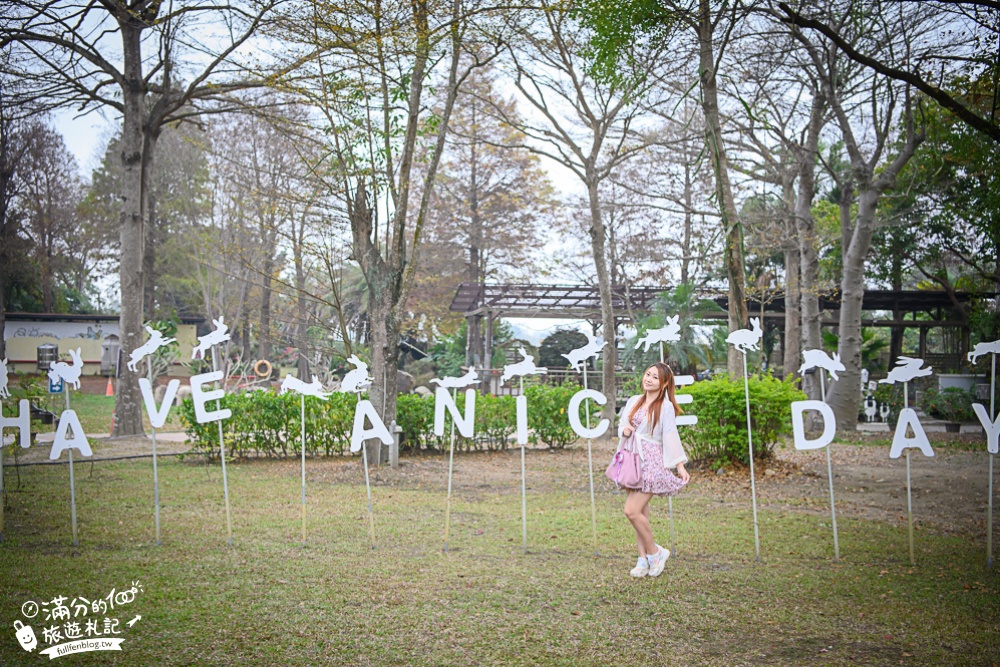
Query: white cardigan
[(665, 431)]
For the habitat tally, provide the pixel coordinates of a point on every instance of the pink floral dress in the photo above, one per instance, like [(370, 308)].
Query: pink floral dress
[(656, 479)]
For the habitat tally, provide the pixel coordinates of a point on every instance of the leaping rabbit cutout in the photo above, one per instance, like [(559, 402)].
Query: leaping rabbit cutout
[(579, 355), (467, 380), (820, 359), (668, 334), (155, 342), (314, 388), (521, 368), (907, 368), (210, 340)]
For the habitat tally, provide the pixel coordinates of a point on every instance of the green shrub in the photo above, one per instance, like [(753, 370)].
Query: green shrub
[(720, 437), (496, 421), (951, 404), (265, 423), (415, 415), (547, 419)]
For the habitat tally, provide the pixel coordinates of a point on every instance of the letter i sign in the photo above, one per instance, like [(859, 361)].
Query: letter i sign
[(685, 399)]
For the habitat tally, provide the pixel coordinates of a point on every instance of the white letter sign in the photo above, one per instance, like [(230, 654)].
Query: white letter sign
[(992, 428), (521, 403), (22, 422), (158, 417), (466, 424), (68, 420), (574, 414), (919, 439), (799, 431), (359, 433), (200, 397)]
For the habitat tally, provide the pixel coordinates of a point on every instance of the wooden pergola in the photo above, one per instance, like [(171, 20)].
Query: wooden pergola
[(583, 302)]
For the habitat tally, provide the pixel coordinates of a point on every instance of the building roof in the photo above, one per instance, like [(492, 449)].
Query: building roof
[(80, 317)]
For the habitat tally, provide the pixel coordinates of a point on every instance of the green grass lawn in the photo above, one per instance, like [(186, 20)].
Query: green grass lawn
[(270, 601)]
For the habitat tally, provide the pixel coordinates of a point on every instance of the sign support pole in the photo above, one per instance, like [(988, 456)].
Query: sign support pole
[(156, 477), (753, 482), (524, 492), (72, 481), (590, 466), (222, 456), (829, 476), (451, 468), (670, 499)]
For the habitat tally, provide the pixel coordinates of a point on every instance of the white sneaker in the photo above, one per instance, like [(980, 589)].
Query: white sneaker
[(658, 562), (641, 568)]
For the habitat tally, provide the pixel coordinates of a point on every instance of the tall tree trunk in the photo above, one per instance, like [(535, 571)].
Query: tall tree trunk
[(806, 231), (599, 251), (302, 309), (845, 395), (48, 298), (3, 310), (128, 415), (384, 350), (473, 332), (793, 338), (264, 337), (151, 225), (735, 268), (896, 333), (686, 253)]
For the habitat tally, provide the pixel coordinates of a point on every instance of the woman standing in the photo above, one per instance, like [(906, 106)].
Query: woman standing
[(649, 419)]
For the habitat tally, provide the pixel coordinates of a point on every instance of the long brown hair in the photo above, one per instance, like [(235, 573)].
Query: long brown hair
[(667, 390)]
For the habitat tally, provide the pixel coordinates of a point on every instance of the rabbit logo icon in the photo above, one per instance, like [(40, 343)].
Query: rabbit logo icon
[(25, 636)]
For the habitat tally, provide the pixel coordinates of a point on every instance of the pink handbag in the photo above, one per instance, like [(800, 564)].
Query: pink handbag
[(625, 468)]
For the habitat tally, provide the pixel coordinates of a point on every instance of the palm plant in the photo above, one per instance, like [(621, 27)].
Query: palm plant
[(694, 346)]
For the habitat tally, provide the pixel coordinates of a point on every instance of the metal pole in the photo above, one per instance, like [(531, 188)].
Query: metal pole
[(451, 468), (302, 398), (670, 499), (590, 465), (909, 494), (524, 492), (368, 488), (989, 505), (222, 456), (829, 476), (753, 481), (72, 481), (156, 476), (1, 474)]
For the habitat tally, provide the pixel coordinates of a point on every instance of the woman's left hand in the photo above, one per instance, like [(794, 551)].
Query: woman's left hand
[(683, 474)]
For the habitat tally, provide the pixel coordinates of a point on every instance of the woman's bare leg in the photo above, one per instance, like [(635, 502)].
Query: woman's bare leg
[(637, 511)]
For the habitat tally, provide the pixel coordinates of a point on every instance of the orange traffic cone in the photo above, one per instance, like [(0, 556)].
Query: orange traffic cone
[(110, 391)]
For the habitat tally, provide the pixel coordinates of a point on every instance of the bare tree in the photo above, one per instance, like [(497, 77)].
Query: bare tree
[(69, 54), (369, 82), (868, 125), (585, 125)]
